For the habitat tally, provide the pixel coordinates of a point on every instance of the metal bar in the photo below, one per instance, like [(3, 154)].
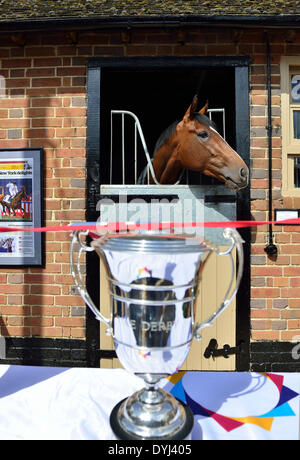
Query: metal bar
[(123, 152), (111, 148), (147, 287), (123, 112), (222, 110), (135, 153), (146, 349), (151, 302), (271, 248)]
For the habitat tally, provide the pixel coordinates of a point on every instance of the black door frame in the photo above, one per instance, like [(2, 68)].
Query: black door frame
[(95, 67)]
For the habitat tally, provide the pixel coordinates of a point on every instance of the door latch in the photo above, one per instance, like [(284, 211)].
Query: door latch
[(213, 351)]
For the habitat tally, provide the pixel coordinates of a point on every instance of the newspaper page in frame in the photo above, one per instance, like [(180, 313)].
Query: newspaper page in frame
[(19, 189)]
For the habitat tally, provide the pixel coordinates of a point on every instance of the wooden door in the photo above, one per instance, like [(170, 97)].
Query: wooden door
[(213, 286)]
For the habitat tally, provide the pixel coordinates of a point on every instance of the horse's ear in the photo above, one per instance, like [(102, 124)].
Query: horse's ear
[(204, 109), (192, 109), (194, 104)]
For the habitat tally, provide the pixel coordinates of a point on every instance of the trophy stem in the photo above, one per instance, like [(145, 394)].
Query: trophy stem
[(151, 395), (151, 380)]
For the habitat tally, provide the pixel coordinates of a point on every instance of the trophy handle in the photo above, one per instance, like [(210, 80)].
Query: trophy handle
[(76, 273), (236, 241)]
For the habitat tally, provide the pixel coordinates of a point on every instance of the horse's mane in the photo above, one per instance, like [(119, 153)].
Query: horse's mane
[(167, 133)]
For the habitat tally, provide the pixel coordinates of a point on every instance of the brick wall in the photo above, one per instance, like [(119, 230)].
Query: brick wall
[(275, 304), (45, 106)]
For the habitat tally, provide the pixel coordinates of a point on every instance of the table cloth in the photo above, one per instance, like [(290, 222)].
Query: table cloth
[(54, 403)]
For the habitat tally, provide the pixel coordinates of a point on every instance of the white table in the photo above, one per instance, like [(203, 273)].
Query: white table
[(75, 403)]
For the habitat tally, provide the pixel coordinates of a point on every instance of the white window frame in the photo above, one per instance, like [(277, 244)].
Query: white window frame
[(290, 146)]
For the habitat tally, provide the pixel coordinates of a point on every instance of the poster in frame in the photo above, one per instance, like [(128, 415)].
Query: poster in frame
[(21, 192)]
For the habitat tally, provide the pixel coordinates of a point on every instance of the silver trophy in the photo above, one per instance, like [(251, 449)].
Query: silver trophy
[(154, 280)]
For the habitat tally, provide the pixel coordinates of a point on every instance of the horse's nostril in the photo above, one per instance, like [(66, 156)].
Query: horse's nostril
[(243, 173)]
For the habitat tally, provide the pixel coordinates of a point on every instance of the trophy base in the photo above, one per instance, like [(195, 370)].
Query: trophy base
[(168, 419)]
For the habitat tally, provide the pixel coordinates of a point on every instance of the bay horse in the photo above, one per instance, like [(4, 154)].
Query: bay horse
[(15, 203), (193, 143)]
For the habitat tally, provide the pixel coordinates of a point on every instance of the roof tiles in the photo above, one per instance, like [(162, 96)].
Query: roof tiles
[(21, 10)]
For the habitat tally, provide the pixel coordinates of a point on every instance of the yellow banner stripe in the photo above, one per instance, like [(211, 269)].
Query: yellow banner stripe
[(10, 166)]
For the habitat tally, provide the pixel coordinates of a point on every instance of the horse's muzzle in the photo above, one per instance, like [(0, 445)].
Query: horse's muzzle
[(240, 181)]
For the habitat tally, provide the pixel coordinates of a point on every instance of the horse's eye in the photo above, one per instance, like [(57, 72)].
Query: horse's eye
[(204, 135)]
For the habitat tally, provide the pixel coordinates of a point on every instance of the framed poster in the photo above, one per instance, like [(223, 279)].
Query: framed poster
[(21, 206)]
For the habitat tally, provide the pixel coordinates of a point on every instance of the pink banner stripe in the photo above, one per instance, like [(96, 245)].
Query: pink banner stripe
[(118, 226)]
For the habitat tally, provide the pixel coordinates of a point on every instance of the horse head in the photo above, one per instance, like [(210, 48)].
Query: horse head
[(201, 148), (23, 193)]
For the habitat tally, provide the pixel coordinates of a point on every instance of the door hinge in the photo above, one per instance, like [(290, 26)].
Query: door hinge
[(213, 351)]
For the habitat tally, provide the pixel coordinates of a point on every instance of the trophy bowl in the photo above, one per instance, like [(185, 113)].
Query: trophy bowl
[(153, 281)]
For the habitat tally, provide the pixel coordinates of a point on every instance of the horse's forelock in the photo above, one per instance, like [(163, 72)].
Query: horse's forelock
[(204, 120)]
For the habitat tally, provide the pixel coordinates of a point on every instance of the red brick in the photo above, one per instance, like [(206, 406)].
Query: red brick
[(39, 51), (46, 122), (290, 249), (71, 112), (38, 278), (14, 123), (266, 271), (17, 82), (13, 63), (14, 310), (44, 72), (69, 300), (264, 313), (15, 321), (38, 321), (15, 331), (290, 292), (294, 303), (13, 278), (72, 322), (294, 324), (47, 102), (289, 336), (44, 289), (39, 133), (14, 289), (265, 335), (72, 71), (46, 311), (38, 300), (47, 62), (41, 331), (41, 92), (52, 82), (266, 292)]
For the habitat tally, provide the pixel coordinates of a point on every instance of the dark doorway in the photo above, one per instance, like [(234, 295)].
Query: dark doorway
[(158, 91), (158, 98)]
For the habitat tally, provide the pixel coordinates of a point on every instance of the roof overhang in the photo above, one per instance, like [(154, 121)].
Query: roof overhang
[(129, 22)]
